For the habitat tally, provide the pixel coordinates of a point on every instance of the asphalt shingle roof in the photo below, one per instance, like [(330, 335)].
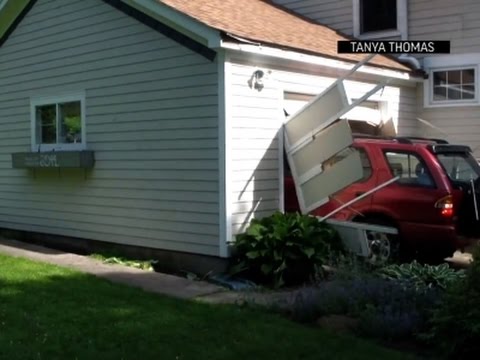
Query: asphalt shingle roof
[(262, 21)]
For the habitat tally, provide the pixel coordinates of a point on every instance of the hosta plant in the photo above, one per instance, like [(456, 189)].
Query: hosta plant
[(284, 249), (423, 276)]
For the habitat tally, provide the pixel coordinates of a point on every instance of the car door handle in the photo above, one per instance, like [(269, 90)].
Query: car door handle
[(359, 193)]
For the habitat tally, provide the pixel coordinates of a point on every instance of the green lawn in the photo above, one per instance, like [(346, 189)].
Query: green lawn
[(47, 312)]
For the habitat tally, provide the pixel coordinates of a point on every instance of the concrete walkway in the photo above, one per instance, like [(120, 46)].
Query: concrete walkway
[(147, 280), (159, 283)]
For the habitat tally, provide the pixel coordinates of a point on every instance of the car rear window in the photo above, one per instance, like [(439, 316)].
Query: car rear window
[(459, 166)]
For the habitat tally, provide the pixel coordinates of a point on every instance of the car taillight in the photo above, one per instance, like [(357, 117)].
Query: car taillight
[(445, 205)]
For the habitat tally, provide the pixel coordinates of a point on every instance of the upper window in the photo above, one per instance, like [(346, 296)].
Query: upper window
[(58, 123), (378, 15), (453, 85), (410, 169), (380, 18)]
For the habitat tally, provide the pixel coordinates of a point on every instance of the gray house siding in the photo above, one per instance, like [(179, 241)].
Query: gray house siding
[(459, 124), (151, 118), (456, 21)]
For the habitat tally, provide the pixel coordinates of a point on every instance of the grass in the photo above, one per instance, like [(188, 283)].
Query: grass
[(48, 312)]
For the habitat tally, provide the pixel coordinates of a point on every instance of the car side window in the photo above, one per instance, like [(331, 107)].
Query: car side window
[(409, 168), (366, 165)]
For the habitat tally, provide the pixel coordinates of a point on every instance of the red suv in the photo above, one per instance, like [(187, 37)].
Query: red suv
[(434, 204)]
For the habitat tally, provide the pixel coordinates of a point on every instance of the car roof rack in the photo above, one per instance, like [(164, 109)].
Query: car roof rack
[(418, 138), (400, 139)]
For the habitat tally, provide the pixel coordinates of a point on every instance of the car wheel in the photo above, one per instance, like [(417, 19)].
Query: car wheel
[(384, 248)]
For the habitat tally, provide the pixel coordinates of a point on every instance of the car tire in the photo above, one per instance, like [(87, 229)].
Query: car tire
[(385, 248)]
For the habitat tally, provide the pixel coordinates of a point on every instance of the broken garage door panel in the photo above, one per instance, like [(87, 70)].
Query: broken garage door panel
[(335, 138), (304, 126), (318, 145), (315, 115), (317, 189)]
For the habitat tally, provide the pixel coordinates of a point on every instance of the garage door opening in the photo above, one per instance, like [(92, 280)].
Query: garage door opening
[(367, 118)]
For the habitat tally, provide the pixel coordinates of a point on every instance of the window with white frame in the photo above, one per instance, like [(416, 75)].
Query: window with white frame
[(453, 85), (452, 80), (380, 18), (58, 123)]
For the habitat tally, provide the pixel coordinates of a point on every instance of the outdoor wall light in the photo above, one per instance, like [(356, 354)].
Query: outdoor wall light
[(256, 81)]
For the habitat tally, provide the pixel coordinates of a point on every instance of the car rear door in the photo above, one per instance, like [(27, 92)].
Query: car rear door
[(413, 197)]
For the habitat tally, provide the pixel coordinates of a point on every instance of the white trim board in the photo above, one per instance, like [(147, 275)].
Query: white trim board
[(225, 154), (281, 169), (451, 60), (268, 56)]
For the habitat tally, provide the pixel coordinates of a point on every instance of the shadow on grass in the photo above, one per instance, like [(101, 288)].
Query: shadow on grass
[(48, 312)]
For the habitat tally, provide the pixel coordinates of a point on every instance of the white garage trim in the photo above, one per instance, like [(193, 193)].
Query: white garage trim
[(275, 55), (224, 147)]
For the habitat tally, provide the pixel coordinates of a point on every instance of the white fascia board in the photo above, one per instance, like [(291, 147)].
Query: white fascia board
[(335, 65), (180, 22), (451, 60)]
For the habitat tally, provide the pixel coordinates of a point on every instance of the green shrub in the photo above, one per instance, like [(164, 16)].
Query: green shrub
[(454, 327), (284, 249), (422, 276)]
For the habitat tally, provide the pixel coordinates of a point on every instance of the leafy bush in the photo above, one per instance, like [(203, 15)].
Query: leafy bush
[(422, 276), (284, 249), (455, 323)]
